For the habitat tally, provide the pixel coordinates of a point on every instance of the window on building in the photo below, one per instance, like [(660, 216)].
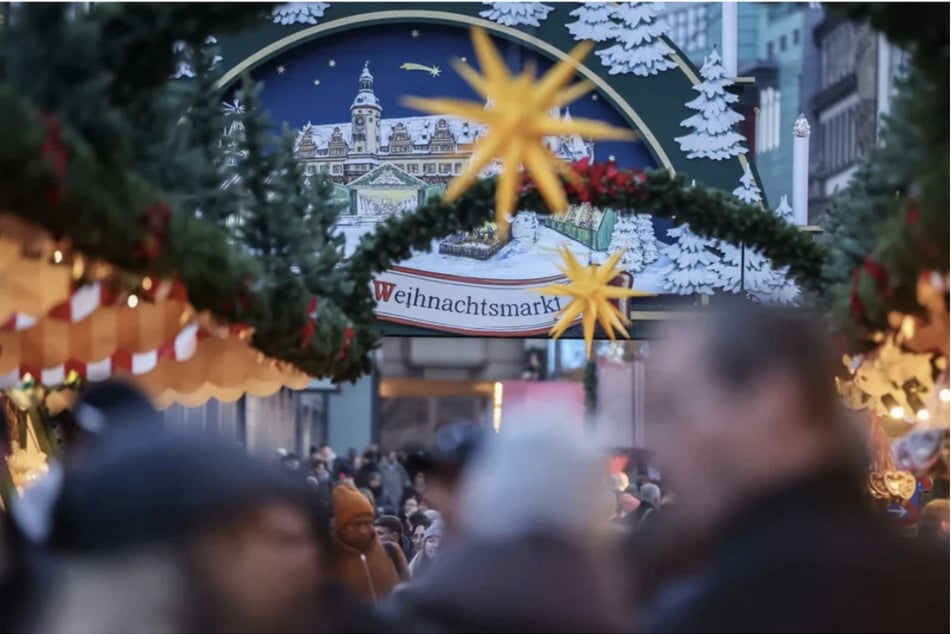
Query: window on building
[(783, 43), (770, 50), (768, 129), (795, 37), (839, 145), (838, 54), (445, 168), (457, 167), (429, 168), (338, 169), (412, 168)]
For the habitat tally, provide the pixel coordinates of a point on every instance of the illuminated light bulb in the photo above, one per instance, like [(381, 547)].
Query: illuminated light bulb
[(945, 394), (923, 414), (57, 256), (897, 412), (147, 283), (133, 301)]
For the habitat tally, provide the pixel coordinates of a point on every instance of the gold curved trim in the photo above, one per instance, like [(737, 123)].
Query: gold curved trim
[(542, 45)]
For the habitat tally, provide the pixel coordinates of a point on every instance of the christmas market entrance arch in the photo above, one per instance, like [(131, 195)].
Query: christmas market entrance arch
[(309, 51)]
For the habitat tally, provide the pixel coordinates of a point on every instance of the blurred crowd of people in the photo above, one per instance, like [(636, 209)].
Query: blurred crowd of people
[(758, 524)]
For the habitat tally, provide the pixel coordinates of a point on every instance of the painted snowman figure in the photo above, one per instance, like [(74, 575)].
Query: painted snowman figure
[(525, 227)]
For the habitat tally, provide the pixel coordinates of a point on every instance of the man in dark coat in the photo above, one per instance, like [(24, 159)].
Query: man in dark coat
[(749, 427)]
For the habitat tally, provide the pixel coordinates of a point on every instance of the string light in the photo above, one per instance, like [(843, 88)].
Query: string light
[(924, 414), (147, 283), (897, 412), (57, 256), (945, 394), (133, 301)]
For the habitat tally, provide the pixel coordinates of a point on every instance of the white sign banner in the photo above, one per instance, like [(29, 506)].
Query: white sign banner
[(470, 306)]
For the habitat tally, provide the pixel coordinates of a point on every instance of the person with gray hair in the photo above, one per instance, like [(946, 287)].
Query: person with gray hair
[(525, 560)]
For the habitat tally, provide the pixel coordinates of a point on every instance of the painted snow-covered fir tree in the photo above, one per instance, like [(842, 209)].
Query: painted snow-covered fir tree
[(759, 279), (517, 13), (713, 135), (645, 233), (594, 22), (183, 69), (639, 49), (625, 236), (783, 289), (298, 12), (691, 263)]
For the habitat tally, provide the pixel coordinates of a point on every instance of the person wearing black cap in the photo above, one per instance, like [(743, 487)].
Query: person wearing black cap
[(443, 464), (166, 533)]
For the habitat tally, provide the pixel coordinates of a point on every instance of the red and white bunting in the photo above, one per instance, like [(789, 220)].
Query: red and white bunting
[(181, 348)]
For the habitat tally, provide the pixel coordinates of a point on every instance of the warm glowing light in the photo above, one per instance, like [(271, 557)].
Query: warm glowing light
[(133, 301), (945, 394), (897, 412), (497, 408), (924, 414), (147, 283), (57, 256), (27, 378)]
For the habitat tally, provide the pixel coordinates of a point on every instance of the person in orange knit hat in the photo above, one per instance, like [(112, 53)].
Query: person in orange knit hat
[(364, 564)]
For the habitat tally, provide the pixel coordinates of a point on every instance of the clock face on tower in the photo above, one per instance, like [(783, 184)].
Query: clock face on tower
[(359, 121)]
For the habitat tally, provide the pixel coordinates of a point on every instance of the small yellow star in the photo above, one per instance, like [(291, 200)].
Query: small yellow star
[(518, 123), (414, 33), (281, 69), (332, 63), (591, 293)]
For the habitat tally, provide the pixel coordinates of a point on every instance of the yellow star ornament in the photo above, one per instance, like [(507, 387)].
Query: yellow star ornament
[(591, 293), (518, 115)]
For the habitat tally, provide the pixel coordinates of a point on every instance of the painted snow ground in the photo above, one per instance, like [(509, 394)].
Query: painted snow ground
[(517, 260)]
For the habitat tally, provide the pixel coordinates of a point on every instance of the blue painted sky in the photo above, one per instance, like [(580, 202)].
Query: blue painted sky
[(294, 97)]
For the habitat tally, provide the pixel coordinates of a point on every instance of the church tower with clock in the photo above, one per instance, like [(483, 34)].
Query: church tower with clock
[(365, 116)]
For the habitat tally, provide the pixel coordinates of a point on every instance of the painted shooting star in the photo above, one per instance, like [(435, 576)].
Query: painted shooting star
[(432, 70)]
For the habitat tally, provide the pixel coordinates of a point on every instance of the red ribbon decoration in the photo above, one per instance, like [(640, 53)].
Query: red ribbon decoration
[(55, 154), (310, 328), (347, 338)]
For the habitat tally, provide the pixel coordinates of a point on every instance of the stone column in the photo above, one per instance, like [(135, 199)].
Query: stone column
[(801, 132)]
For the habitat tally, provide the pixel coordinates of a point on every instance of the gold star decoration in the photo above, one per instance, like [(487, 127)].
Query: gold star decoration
[(519, 119), (332, 63), (281, 69), (591, 293)]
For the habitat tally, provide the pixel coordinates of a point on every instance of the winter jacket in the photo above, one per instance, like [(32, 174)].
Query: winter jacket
[(809, 558), (371, 575)]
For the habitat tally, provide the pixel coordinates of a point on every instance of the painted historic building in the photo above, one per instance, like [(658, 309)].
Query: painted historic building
[(429, 149)]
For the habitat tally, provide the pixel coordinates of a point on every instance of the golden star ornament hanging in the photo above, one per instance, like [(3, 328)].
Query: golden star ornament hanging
[(518, 115), (591, 293)]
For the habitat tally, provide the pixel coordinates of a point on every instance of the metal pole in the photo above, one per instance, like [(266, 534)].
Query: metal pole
[(742, 267)]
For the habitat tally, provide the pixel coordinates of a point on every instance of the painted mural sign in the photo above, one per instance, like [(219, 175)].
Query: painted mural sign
[(340, 88)]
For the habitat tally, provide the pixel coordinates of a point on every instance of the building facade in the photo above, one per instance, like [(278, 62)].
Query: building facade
[(858, 72)]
